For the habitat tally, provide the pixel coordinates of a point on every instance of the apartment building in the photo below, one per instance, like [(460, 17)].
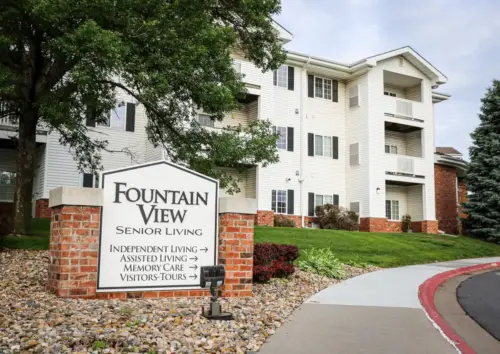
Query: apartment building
[(357, 135)]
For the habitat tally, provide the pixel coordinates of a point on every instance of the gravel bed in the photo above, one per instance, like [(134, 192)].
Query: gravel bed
[(34, 321)]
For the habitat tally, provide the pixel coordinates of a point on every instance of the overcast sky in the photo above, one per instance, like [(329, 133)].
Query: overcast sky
[(459, 37)]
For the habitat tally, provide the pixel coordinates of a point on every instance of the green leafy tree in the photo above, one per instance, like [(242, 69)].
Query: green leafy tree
[(60, 59), (483, 173)]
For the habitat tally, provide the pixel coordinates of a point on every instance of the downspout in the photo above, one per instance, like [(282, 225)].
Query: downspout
[(302, 142)]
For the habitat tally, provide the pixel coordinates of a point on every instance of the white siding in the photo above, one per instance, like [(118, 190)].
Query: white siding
[(414, 143), (414, 93), (396, 139), (247, 184), (39, 183), (251, 183), (62, 168), (415, 203), (234, 118)]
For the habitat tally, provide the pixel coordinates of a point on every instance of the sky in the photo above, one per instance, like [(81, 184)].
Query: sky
[(459, 37)]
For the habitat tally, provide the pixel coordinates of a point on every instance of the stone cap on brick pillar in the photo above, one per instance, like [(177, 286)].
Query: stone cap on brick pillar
[(75, 196), (237, 206)]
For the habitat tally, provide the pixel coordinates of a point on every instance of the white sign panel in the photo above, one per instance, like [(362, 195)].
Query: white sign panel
[(159, 225)]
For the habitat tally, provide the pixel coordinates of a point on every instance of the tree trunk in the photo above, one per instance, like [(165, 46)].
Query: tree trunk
[(25, 171)]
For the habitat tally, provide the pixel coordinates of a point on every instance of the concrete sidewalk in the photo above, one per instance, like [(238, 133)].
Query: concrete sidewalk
[(376, 313)]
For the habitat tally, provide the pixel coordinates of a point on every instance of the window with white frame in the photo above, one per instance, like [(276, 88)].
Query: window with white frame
[(281, 143), (354, 96), (391, 149), (282, 76), (392, 209), (354, 154), (390, 93), (204, 120), (322, 199), (279, 201), (116, 117), (354, 206), (323, 146), (322, 88), (7, 185)]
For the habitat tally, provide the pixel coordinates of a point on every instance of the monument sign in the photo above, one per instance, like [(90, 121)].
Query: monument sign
[(159, 225)]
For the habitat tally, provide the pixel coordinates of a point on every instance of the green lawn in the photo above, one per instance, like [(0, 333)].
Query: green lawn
[(381, 249), (40, 229)]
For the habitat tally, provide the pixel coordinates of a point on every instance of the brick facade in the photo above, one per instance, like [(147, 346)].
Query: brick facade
[(266, 218), (42, 209), (384, 225), (73, 257), (445, 179)]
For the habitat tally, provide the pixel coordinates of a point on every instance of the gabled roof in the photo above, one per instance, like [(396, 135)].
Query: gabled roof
[(448, 150), (407, 52)]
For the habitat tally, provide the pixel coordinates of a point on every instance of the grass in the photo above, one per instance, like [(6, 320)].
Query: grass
[(40, 229), (380, 249)]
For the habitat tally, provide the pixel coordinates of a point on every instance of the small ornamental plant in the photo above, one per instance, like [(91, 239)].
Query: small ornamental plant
[(273, 260), (322, 262), (406, 223)]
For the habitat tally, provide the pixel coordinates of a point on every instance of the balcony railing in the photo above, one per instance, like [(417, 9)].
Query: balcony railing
[(403, 165), (402, 108)]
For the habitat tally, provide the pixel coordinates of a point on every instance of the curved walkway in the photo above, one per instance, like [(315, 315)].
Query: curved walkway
[(377, 313)]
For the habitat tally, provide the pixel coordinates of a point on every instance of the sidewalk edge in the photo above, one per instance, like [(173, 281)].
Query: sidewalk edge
[(426, 294)]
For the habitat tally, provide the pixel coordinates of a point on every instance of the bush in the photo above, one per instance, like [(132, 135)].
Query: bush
[(283, 221), (322, 262), (273, 260), (337, 218), (406, 223)]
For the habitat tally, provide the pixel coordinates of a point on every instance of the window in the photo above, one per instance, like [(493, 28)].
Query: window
[(7, 185), (354, 96), (279, 201), (392, 209), (321, 199), (389, 93), (90, 181), (322, 88), (323, 146), (281, 143), (282, 76), (116, 117), (354, 154), (204, 120), (354, 206), (391, 149)]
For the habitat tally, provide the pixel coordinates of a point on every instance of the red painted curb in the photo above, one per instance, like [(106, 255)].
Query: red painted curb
[(426, 294)]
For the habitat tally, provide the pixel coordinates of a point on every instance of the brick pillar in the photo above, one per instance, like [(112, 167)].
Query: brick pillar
[(74, 233), (236, 241)]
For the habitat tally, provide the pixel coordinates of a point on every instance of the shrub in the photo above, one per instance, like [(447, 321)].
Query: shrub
[(406, 223), (322, 262), (273, 260), (283, 221), (337, 218)]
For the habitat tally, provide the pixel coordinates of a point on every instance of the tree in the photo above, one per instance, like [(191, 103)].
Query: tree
[(483, 172), (62, 59)]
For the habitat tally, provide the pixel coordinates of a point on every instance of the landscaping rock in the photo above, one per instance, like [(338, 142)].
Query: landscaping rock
[(35, 321)]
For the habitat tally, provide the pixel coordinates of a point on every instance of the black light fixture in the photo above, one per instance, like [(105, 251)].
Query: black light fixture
[(213, 277)]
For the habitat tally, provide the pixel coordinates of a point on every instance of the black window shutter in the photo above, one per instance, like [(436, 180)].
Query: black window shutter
[(273, 200), (335, 91), (290, 201), (130, 125), (335, 147), (88, 180), (336, 199), (310, 144), (310, 85), (275, 77), (310, 203), (291, 77), (89, 118), (290, 139)]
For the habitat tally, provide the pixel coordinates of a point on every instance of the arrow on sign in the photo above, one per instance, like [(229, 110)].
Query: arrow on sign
[(194, 276), (194, 258), (195, 267), (204, 249)]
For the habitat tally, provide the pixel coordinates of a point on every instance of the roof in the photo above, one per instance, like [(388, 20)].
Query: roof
[(447, 150), (407, 52)]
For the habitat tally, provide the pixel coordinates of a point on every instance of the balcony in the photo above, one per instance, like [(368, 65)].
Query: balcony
[(403, 96), (404, 166), (404, 198)]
